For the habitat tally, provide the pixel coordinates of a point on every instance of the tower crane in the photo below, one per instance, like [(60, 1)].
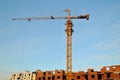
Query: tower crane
[(68, 31)]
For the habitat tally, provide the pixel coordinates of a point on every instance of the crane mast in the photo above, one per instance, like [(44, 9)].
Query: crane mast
[(69, 32)]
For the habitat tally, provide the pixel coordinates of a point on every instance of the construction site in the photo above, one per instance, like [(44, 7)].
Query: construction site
[(60, 40), (106, 73)]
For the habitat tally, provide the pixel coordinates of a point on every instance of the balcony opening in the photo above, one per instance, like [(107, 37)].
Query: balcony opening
[(92, 76), (48, 78), (108, 75), (78, 77), (43, 78), (86, 77), (39, 78), (53, 78), (99, 76), (58, 77)]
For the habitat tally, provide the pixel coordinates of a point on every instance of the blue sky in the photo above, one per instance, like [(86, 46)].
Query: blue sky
[(41, 44)]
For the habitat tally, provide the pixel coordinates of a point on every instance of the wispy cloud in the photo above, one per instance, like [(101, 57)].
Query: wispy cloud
[(114, 43), (115, 29), (111, 41), (102, 57)]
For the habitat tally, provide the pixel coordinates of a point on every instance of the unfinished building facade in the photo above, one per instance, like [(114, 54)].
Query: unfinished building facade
[(106, 73)]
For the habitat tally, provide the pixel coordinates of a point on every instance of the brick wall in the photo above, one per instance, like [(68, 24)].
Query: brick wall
[(106, 73)]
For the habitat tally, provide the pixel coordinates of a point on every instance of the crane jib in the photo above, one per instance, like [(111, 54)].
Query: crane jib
[(54, 17)]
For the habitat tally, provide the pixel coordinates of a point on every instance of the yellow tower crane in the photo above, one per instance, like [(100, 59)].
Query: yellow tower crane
[(68, 31)]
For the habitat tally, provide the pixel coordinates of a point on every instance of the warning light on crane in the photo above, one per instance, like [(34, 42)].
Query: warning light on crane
[(68, 31)]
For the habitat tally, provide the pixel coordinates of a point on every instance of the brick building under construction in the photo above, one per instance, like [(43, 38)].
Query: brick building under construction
[(106, 73)]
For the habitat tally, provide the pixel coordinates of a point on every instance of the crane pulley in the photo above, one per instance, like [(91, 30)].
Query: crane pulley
[(68, 31)]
